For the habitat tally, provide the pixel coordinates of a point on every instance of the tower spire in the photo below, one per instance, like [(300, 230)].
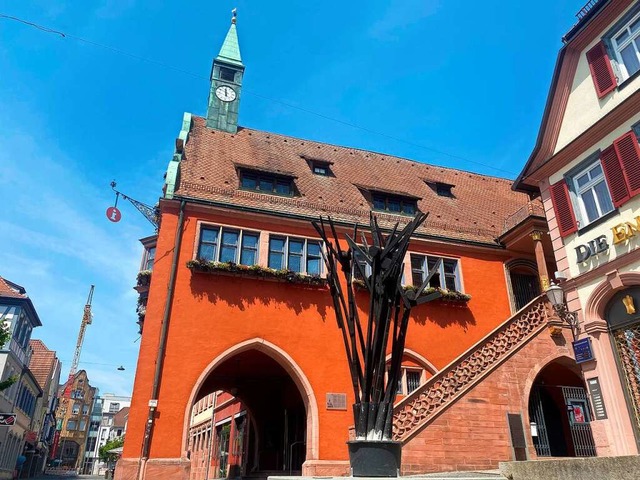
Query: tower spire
[(230, 51), (226, 83)]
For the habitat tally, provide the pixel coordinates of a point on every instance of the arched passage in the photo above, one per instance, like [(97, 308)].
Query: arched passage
[(559, 411), (275, 402), (523, 281)]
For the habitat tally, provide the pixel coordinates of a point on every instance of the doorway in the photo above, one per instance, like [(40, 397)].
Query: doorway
[(259, 419), (559, 412)]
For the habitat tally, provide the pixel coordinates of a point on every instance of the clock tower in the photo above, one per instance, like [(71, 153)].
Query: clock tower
[(226, 84)]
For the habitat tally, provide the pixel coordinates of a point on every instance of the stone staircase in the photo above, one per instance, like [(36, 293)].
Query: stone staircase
[(413, 413)]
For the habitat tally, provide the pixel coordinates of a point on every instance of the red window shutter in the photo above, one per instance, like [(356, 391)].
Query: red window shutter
[(628, 152), (615, 176), (562, 206), (601, 71)]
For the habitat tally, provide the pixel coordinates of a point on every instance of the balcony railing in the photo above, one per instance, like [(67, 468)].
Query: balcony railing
[(531, 209), (586, 9)]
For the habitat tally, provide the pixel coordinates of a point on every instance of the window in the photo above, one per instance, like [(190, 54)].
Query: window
[(394, 204), (446, 277), (591, 192), (266, 183), (76, 409), (626, 45), (85, 409), (149, 258), (410, 379), (236, 246), (360, 260), (320, 168), (83, 425), (442, 189), (227, 74), (296, 254), (413, 380), (71, 425), (114, 407)]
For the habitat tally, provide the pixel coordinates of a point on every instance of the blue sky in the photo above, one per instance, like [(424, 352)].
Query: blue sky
[(467, 79)]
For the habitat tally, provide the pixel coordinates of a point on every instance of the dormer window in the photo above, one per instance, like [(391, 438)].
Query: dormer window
[(442, 189), (266, 183), (227, 74), (319, 166), (321, 169), (394, 204)]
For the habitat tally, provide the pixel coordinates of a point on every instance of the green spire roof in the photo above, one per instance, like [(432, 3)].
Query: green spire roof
[(230, 51)]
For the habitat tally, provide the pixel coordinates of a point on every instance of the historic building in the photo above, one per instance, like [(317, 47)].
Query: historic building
[(242, 371), (586, 166), (73, 418), (17, 436), (45, 366)]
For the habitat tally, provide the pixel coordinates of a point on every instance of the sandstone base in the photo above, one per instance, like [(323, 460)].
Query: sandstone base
[(605, 468)]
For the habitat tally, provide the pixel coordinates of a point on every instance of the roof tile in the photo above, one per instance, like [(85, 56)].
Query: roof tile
[(475, 212)]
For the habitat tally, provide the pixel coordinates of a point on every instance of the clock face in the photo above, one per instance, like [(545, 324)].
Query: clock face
[(225, 93)]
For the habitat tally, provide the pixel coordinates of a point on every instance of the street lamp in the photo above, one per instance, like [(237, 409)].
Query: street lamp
[(555, 294)]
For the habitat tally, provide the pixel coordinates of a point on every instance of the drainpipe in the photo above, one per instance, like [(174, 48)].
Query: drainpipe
[(146, 443)]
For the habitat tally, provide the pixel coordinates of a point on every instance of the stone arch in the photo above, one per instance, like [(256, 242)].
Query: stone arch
[(418, 359), (288, 364), (560, 354), (597, 301)]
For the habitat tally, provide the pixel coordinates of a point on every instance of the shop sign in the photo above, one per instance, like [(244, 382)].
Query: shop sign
[(582, 350), (620, 233), (7, 419)]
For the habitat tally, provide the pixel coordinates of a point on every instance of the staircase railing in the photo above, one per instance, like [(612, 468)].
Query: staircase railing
[(423, 405)]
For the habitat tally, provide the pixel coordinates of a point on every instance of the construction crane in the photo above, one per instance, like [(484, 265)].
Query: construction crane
[(66, 395), (86, 320)]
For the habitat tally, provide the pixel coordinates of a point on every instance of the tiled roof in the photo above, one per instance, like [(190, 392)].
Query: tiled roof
[(42, 362), (208, 171), (6, 290), (120, 418)]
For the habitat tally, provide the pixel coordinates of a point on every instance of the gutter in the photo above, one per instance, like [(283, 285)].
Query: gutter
[(308, 218), (164, 330)]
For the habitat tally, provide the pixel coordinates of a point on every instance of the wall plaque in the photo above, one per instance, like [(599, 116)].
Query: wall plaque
[(336, 401), (596, 398), (582, 350)]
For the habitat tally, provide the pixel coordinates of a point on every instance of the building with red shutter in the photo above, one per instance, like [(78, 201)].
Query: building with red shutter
[(586, 167)]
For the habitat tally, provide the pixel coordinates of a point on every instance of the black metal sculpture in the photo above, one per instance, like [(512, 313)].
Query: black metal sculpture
[(380, 265)]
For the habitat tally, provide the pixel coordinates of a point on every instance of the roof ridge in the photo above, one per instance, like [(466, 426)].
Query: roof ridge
[(396, 157)]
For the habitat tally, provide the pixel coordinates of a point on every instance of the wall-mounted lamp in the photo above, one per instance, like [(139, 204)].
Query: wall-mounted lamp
[(555, 294)]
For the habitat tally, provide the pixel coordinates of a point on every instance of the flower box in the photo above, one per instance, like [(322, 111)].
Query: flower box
[(447, 296), (256, 271)]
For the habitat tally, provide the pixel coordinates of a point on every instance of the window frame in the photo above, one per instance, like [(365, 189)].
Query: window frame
[(265, 177), (403, 384), (304, 256), (322, 169), (388, 198), (575, 191), (149, 257), (625, 24), (239, 248), (442, 273)]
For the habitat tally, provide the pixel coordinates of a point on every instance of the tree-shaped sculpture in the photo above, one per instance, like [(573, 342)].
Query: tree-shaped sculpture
[(381, 265)]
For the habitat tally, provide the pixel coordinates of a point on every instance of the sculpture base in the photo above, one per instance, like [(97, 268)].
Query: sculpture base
[(375, 458)]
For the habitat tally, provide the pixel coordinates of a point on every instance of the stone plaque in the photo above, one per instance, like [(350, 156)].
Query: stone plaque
[(336, 401), (596, 398)]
